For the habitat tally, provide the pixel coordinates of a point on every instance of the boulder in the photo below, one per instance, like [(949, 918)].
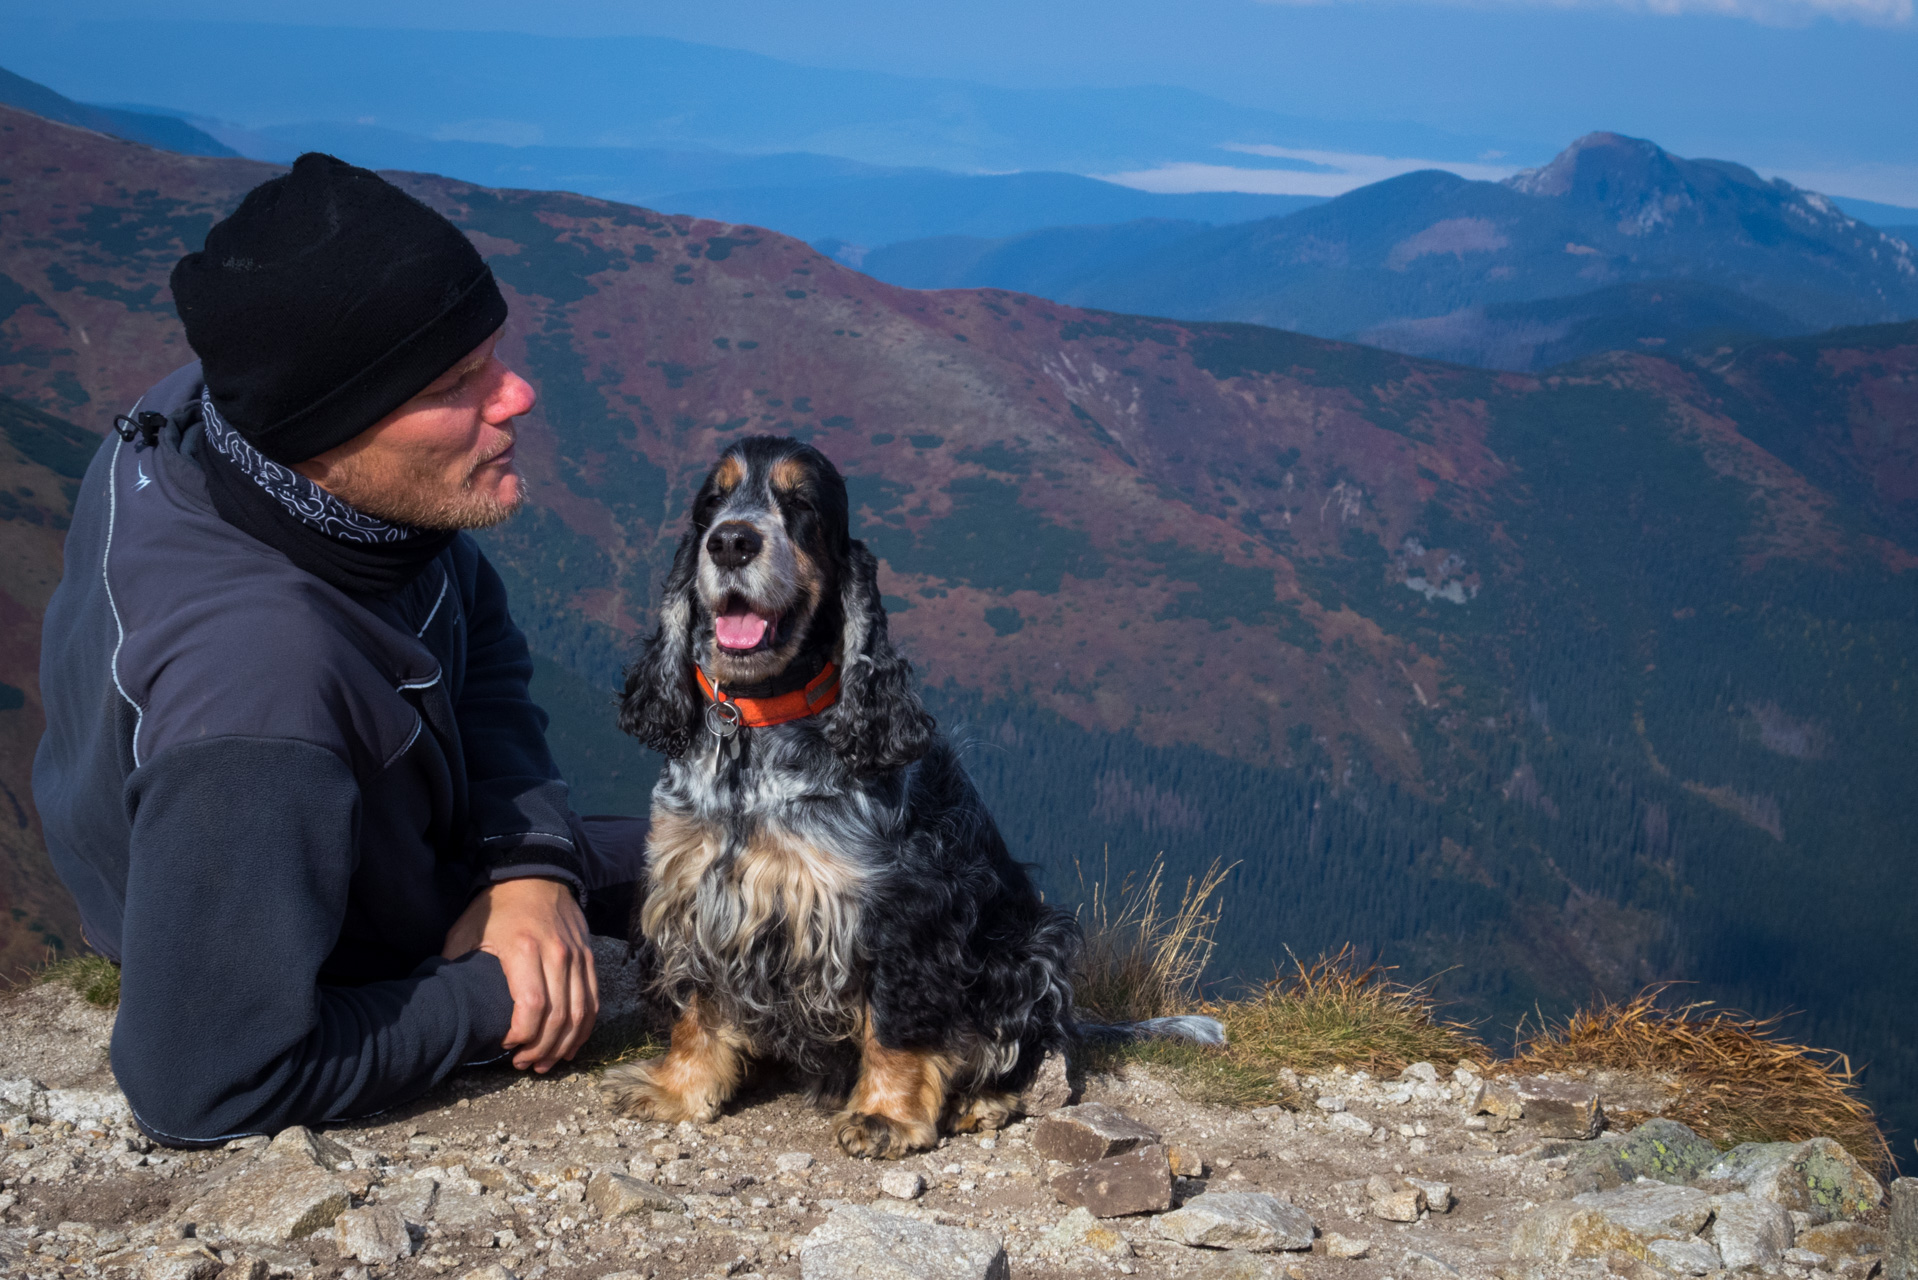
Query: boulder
[(271, 1203), (1238, 1220), (1551, 1107), (1819, 1177), (1666, 1151), (1089, 1131), (1136, 1181), (1081, 1230), (1901, 1244), (857, 1242), (1843, 1239), (87, 1108), (375, 1234), (1050, 1089), (1750, 1233), (619, 1195), (1596, 1223)]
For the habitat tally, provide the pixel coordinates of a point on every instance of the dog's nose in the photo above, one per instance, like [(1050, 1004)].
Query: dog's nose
[(733, 545)]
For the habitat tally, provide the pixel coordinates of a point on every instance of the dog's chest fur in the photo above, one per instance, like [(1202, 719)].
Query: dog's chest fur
[(754, 900)]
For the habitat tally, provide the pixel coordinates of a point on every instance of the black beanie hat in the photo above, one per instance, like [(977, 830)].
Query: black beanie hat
[(326, 301)]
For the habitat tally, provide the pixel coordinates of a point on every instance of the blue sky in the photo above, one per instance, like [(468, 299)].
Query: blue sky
[(1823, 92)]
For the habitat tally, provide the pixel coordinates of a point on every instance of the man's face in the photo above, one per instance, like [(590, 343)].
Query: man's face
[(442, 460)]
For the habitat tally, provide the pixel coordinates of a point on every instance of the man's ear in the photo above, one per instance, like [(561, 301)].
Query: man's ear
[(660, 705), (878, 724)]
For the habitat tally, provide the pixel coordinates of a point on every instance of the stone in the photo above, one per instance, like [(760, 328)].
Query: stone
[(1338, 1246), (1330, 1102), (272, 1203), (1841, 1239), (1081, 1230), (1400, 1206), (1186, 1163), (300, 1144), (462, 1211), (1750, 1233), (1901, 1231), (186, 1260), (1818, 1177), (1238, 1220), (1346, 1122), (619, 1195), (793, 1162), (1438, 1195), (1666, 1151), (857, 1242), (1051, 1087), (1552, 1108), (248, 1266), (374, 1234), (87, 1108), (1420, 1073), (1595, 1224), (411, 1198), (903, 1184), (1694, 1257), (491, 1271), (1135, 1181), (1087, 1132)]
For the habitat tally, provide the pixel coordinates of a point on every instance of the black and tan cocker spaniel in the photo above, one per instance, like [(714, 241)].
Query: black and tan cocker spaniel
[(825, 889)]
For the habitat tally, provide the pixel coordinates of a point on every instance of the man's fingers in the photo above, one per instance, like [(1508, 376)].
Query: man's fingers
[(560, 963), (585, 993)]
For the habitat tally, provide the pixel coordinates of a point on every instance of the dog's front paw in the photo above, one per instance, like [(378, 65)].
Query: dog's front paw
[(634, 1092), (877, 1137), (984, 1112)]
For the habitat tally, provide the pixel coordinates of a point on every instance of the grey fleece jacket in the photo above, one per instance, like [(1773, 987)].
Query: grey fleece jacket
[(272, 799)]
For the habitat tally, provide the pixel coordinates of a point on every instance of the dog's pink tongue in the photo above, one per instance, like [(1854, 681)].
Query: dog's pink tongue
[(742, 630)]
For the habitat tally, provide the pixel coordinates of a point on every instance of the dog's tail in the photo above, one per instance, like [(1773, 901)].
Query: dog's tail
[(1192, 1027)]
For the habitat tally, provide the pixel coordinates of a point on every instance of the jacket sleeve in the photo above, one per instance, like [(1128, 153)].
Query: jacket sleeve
[(242, 852), (520, 806)]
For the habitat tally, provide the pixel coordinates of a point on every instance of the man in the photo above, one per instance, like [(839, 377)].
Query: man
[(291, 772)]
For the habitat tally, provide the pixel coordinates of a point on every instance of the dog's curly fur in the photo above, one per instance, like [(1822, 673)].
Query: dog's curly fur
[(836, 898)]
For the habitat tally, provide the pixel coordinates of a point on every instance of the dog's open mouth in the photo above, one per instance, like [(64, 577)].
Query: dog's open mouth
[(740, 628)]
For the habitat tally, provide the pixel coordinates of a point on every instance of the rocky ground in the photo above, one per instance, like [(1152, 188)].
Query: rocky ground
[(1430, 1175)]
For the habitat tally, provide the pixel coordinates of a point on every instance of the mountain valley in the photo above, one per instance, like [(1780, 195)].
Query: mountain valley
[(1551, 685)]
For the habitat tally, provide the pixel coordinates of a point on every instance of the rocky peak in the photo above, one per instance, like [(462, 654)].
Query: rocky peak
[(1644, 188)]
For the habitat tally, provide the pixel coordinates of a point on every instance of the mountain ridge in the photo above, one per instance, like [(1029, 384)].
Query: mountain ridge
[(1416, 262)]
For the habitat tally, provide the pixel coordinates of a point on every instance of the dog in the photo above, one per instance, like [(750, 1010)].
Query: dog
[(825, 889)]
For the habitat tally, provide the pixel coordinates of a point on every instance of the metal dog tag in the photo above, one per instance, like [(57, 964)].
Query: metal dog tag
[(722, 721)]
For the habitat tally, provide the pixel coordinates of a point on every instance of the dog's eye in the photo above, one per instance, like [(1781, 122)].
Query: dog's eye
[(799, 502)]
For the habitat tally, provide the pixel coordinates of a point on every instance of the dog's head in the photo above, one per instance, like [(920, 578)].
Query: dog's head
[(767, 580)]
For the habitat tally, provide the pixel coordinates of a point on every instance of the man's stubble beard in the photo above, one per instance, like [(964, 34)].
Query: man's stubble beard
[(420, 498)]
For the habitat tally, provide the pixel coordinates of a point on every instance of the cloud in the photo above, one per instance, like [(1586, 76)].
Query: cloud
[(1777, 13), (1321, 173)]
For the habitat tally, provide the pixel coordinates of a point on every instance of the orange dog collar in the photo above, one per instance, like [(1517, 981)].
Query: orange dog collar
[(762, 713)]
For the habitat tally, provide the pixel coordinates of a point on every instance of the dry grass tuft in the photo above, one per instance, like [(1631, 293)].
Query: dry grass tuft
[(1737, 1080), (95, 979), (1340, 1011), (1140, 962), (1144, 961)]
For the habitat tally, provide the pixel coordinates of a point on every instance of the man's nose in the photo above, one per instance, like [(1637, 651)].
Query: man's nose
[(733, 544)]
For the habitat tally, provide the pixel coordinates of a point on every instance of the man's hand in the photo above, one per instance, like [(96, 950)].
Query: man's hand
[(539, 935)]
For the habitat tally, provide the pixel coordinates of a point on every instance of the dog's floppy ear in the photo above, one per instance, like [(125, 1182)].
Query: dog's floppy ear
[(878, 723), (660, 706)]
